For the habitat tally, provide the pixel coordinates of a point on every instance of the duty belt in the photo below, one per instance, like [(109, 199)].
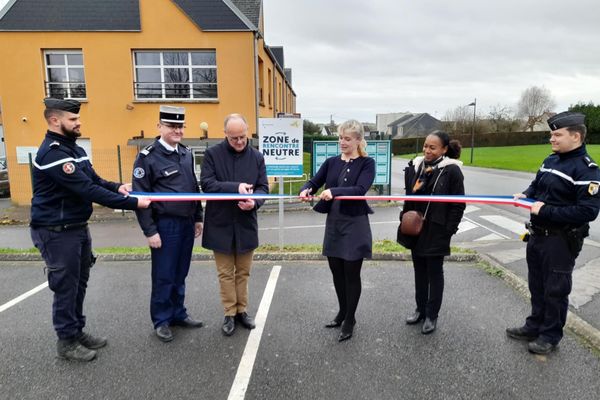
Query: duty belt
[(541, 231), (61, 228)]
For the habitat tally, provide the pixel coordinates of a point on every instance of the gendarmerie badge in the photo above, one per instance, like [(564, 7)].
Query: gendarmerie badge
[(69, 168), (593, 188), (139, 172)]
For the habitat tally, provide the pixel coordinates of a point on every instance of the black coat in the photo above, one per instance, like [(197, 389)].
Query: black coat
[(65, 184), (227, 228), (441, 219), (157, 169), (568, 185), (357, 182)]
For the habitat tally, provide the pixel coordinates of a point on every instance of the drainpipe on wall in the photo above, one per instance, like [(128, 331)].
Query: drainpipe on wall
[(256, 83)]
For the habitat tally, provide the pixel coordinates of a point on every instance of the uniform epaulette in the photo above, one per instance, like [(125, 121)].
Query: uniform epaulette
[(54, 144), (147, 150), (590, 163)]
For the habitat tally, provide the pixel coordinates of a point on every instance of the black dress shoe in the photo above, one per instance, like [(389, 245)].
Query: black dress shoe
[(246, 320), (188, 322), (540, 346), (521, 333), (428, 326), (415, 318), (164, 333), (228, 325)]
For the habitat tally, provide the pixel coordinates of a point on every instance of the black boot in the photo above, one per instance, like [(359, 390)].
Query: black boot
[(429, 326), (72, 350)]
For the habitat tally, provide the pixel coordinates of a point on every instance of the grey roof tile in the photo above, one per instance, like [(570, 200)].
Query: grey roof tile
[(212, 15), (72, 15), (251, 8)]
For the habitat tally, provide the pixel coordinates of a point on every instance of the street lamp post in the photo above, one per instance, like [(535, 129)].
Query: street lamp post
[(474, 104)]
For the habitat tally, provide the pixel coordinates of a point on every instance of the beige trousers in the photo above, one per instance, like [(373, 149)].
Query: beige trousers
[(234, 271)]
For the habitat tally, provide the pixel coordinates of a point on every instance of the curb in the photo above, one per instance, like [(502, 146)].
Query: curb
[(575, 324), (459, 257)]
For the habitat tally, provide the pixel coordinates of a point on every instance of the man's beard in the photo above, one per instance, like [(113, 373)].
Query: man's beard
[(71, 134)]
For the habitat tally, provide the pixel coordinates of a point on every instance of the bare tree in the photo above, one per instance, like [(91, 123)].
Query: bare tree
[(458, 120), (534, 103), (502, 118)]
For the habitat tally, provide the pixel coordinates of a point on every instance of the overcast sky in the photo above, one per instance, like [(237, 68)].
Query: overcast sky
[(354, 58)]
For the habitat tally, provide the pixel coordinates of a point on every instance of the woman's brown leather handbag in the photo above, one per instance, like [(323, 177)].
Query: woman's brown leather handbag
[(411, 223)]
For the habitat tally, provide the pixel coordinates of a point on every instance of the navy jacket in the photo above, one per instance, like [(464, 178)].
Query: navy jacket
[(227, 228), (568, 184), (441, 219), (65, 184), (358, 181), (157, 169)]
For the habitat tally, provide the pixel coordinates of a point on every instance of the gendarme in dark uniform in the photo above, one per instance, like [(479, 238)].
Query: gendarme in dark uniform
[(64, 187), (167, 166), (567, 199)]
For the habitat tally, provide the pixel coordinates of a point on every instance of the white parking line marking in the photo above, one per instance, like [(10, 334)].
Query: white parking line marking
[(505, 223), (22, 297), (242, 377)]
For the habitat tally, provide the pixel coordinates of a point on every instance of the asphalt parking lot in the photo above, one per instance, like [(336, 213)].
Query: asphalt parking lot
[(467, 357)]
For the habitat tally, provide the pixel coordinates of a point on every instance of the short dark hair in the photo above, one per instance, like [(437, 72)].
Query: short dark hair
[(581, 129), (52, 112)]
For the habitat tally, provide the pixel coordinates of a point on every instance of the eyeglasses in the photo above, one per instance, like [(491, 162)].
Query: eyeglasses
[(237, 138), (173, 127)]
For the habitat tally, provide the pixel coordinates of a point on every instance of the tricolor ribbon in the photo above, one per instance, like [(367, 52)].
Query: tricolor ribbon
[(504, 200)]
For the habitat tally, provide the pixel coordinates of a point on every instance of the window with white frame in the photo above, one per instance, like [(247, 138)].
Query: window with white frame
[(65, 77), (176, 75)]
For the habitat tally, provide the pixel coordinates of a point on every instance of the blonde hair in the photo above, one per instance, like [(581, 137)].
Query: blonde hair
[(358, 130)]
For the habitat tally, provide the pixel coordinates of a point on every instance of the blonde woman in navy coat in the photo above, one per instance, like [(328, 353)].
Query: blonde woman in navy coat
[(347, 240)]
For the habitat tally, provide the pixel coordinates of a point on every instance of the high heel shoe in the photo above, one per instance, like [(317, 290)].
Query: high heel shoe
[(347, 331), (336, 322), (415, 318), (333, 324)]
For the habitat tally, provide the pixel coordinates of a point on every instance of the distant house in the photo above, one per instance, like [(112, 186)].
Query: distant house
[(413, 125), (383, 120), (325, 131)]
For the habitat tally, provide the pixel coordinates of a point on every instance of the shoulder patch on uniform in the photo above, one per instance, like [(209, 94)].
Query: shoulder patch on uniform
[(139, 173), (147, 150), (593, 188), (54, 144), (68, 168), (590, 163)]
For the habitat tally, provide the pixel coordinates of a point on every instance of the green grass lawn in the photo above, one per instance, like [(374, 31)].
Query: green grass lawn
[(517, 158)]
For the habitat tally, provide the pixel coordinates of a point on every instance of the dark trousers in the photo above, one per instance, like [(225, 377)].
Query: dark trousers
[(170, 267), (346, 280), (68, 257), (429, 284), (550, 268)]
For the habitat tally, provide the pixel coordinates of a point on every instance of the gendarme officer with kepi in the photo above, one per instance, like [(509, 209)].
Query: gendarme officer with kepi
[(566, 196), (167, 166), (64, 187)]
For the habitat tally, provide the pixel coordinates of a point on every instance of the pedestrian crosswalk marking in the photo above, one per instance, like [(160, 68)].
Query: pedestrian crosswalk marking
[(466, 226), (505, 223), (471, 208), (491, 236)]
